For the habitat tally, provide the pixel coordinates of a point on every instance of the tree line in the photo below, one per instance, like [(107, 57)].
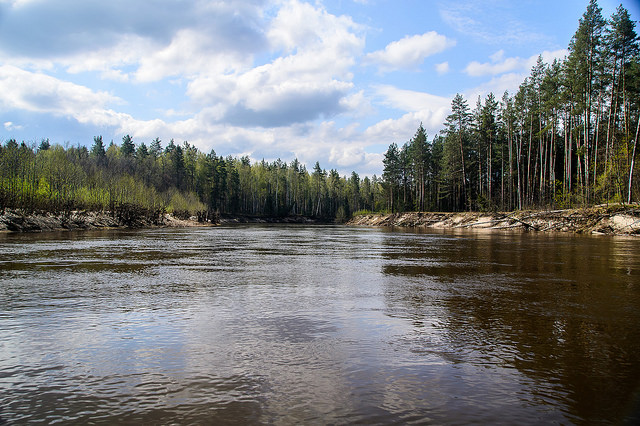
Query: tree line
[(176, 178), (568, 137)]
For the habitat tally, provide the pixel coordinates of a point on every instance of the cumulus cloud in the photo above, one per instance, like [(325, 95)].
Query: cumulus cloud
[(211, 47), (357, 104), (499, 64), (259, 76), (423, 107), (313, 80), (347, 156), (155, 38), (36, 92), (497, 85), (64, 27), (210, 44), (442, 68), (343, 148), (410, 100), (190, 53), (410, 51)]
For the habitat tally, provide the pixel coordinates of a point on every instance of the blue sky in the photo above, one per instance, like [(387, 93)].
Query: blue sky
[(330, 81)]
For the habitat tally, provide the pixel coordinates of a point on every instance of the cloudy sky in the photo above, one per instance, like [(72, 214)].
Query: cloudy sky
[(334, 81)]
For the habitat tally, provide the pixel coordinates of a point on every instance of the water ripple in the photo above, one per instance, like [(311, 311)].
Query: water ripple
[(295, 324)]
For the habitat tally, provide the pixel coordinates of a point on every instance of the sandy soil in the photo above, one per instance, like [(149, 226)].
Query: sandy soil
[(17, 221), (614, 220)]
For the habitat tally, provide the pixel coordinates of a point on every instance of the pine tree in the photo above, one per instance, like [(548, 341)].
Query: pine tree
[(420, 157), (44, 145), (127, 148), (488, 133), (457, 131), (98, 151), (584, 61), (392, 172), (155, 149)]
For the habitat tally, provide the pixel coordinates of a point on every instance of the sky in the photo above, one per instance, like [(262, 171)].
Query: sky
[(333, 81)]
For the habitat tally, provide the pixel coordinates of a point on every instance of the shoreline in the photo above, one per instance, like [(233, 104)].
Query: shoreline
[(17, 221), (598, 220)]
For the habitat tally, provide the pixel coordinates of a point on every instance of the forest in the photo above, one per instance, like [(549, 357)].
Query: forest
[(567, 138), (178, 179)]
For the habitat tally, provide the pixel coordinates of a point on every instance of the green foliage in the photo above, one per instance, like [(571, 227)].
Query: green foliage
[(565, 138), (127, 148), (180, 180), (363, 212), (184, 205), (97, 150), (44, 145)]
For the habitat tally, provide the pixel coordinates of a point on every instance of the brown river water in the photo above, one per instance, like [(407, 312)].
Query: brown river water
[(319, 325)]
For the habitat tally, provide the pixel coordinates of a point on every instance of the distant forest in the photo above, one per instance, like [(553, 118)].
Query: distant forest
[(567, 138)]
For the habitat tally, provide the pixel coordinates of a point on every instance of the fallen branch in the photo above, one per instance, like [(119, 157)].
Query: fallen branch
[(527, 225), (468, 225)]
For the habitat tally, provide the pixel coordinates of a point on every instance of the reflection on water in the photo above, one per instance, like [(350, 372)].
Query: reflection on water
[(294, 324)]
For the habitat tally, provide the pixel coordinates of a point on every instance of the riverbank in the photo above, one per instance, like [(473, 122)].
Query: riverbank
[(19, 221), (609, 220)]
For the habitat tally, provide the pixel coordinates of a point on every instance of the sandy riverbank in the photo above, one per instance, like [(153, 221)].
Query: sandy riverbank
[(18, 221), (612, 220)]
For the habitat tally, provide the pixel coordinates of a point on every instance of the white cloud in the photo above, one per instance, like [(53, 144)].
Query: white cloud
[(410, 100), (62, 28), (298, 25), (497, 85), (442, 68), (238, 102), (189, 54), (498, 56), (37, 92), (548, 56), (342, 148), (357, 104), (501, 65), (423, 107), (410, 51), (312, 81), (476, 69), (9, 125), (478, 18), (119, 38)]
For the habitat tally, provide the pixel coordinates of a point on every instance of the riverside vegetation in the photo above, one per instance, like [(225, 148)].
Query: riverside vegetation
[(566, 139)]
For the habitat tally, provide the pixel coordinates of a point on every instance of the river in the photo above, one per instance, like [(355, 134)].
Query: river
[(319, 324)]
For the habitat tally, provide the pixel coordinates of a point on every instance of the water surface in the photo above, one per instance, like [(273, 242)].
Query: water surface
[(294, 324)]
